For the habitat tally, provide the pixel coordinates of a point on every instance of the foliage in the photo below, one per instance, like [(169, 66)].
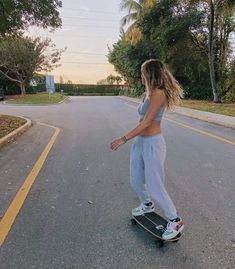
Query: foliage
[(176, 32), (110, 80), (84, 89), (136, 9), (17, 15), (127, 59), (21, 57), (8, 87)]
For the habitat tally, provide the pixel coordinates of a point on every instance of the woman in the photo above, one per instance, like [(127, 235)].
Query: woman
[(148, 152)]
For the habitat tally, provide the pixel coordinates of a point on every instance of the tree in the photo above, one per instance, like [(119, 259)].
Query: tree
[(118, 80), (211, 49), (127, 59), (224, 24), (191, 36), (212, 36), (167, 33), (21, 57), (111, 79), (136, 9), (15, 15)]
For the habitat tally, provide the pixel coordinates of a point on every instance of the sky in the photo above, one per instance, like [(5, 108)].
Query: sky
[(88, 28)]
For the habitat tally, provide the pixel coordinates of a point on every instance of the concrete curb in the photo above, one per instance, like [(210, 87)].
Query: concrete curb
[(207, 116), (223, 120), (8, 138), (65, 99), (59, 103)]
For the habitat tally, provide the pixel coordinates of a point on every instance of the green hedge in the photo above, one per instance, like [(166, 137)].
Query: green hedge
[(82, 89), (8, 87), (41, 87)]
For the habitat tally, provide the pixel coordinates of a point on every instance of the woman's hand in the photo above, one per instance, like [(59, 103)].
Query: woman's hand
[(117, 143)]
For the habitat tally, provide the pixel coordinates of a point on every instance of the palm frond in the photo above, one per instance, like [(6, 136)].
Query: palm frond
[(130, 5), (128, 18)]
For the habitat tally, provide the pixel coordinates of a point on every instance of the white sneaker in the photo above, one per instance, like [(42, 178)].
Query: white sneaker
[(173, 228), (142, 209)]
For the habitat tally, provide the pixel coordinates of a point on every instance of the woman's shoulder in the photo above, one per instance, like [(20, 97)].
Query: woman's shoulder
[(159, 93)]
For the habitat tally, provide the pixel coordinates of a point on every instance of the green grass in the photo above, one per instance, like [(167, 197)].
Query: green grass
[(223, 108), (39, 98), (9, 124)]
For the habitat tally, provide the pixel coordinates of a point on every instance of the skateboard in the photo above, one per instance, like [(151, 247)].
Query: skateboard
[(155, 225)]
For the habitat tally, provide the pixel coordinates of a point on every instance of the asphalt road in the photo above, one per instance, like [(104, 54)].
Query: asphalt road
[(77, 214)]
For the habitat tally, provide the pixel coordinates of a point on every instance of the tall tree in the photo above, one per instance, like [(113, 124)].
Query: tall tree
[(201, 29), (211, 52), (15, 15), (127, 59), (212, 36), (21, 57), (135, 9)]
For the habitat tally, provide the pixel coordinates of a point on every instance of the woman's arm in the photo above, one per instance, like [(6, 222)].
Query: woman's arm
[(157, 99)]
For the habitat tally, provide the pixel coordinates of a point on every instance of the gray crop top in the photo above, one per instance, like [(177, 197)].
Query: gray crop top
[(143, 108)]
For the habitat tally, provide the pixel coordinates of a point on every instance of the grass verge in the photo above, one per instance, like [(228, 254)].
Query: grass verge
[(223, 108), (39, 98)]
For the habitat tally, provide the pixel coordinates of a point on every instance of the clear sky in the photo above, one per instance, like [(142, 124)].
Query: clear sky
[(88, 27)]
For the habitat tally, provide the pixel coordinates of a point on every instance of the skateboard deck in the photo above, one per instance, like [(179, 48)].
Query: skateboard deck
[(154, 224)]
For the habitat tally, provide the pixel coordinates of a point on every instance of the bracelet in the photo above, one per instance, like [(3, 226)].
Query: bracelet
[(124, 139)]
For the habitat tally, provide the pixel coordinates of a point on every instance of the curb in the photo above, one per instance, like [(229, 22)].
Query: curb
[(207, 118), (8, 138), (61, 102), (192, 113)]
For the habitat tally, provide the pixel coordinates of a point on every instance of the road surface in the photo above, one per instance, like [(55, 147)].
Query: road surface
[(77, 213)]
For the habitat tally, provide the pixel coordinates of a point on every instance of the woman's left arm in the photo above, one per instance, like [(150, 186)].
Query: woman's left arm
[(157, 99)]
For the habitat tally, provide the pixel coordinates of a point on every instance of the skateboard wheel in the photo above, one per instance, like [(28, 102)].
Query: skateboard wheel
[(133, 221), (179, 235), (160, 243), (177, 238)]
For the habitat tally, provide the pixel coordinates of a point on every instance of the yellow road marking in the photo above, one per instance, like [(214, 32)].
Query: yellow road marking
[(201, 132), (15, 206)]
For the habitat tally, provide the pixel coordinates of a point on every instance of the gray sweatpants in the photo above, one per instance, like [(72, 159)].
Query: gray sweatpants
[(147, 175)]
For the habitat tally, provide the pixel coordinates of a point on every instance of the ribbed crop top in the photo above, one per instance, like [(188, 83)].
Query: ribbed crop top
[(143, 108)]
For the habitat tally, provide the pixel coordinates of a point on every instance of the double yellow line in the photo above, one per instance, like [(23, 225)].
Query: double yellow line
[(15, 206)]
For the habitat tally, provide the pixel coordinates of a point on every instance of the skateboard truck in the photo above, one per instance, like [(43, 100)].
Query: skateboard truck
[(160, 227)]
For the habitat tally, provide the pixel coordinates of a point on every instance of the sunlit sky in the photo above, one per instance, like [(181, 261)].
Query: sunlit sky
[(88, 27)]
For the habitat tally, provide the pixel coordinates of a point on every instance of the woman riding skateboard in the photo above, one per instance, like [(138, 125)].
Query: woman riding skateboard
[(148, 151)]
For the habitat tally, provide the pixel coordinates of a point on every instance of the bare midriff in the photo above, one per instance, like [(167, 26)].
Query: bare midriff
[(153, 129)]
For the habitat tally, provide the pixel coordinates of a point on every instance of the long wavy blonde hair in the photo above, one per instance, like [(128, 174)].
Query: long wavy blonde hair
[(155, 75)]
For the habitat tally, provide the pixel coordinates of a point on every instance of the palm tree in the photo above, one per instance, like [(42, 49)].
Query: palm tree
[(135, 11)]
